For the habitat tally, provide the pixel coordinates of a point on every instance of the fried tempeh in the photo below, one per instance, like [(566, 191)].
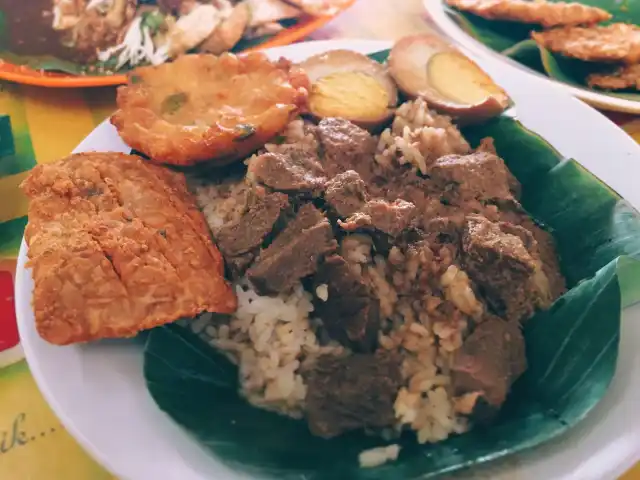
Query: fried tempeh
[(117, 246), (625, 77), (618, 42), (547, 14)]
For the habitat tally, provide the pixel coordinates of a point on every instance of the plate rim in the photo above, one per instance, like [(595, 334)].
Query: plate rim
[(22, 296), (11, 72), (457, 35)]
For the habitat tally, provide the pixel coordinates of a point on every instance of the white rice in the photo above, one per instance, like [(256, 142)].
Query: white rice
[(375, 457)]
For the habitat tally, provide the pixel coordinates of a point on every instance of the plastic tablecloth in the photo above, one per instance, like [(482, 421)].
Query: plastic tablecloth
[(46, 125)]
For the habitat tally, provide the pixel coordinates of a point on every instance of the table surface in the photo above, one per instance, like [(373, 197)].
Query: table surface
[(34, 446)]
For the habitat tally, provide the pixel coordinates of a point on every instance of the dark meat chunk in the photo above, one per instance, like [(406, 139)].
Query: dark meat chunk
[(389, 218), (479, 175), (294, 254), (288, 173), (346, 147), (353, 392), (238, 241), (509, 274), (489, 361), (350, 313), (345, 193)]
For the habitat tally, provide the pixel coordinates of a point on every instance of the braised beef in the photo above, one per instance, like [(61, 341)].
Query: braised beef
[(294, 254), (489, 361), (346, 146), (289, 173), (238, 241), (509, 274), (382, 216), (350, 313), (479, 175), (345, 193), (358, 391)]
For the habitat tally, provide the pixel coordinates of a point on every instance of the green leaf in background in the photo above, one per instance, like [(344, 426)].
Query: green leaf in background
[(527, 53), (572, 348), (498, 36)]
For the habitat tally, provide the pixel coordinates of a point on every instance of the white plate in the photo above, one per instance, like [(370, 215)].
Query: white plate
[(98, 390), (451, 29)]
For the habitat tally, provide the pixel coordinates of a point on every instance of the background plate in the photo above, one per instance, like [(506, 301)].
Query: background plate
[(99, 393), (28, 76), (451, 29)]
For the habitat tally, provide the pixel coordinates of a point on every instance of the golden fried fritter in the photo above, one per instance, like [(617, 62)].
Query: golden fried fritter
[(547, 14), (117, 246), (618, 42), (206, 108), (625, 77)]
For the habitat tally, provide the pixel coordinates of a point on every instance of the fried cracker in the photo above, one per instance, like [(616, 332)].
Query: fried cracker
[(117, 246), (618, 42), (622, 78), (547, 14)]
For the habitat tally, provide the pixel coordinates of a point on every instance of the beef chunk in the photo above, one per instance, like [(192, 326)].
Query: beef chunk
[(350, 313), (479, 175), (239, 240), (509, 274), (289, 173), (294, 254), (389, 218), (489, 361), (346, 147), (353, 392), (345, 193)]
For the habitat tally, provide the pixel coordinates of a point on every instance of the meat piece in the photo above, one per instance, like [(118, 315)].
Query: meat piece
[(541, 12), (346, 147), (382, 216), (239, 241), (479, 175), (287, 173), (294, 254), (358, 391), (489, 361), (345, 193), (350, 313), (509, 274), (117, 246)]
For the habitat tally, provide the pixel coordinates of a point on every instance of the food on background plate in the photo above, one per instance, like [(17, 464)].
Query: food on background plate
[(618, 79), (617, 42), (116, 246), (107, 36), (449, 81), (350, 85), (540, 12), (207, 108), (381, 280), (607, 53)]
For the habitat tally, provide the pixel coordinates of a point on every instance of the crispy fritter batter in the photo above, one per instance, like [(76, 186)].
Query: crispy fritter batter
[(202, 107), (618, 42), (547, 14), (625, 77), (117, 246)]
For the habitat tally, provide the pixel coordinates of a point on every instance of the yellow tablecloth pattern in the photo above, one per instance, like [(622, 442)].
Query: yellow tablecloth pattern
[(47, 125)]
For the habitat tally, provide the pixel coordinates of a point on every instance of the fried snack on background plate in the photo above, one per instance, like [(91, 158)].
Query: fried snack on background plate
[(117, 246), (206, 108), (547, 14), (624, 77), (618, 42)]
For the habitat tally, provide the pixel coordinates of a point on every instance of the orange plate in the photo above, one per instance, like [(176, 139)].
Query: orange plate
[(28, 76)]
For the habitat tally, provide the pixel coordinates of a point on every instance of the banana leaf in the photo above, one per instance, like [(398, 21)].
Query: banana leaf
[(513, 40), (572, 348)]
